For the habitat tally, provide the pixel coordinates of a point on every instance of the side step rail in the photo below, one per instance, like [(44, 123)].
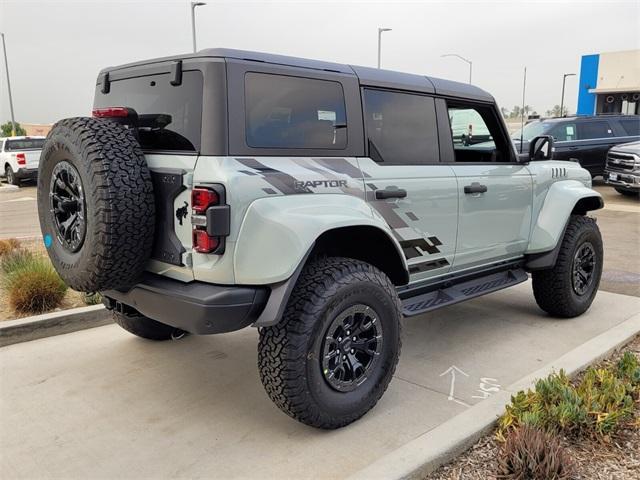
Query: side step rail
[(462, 291)]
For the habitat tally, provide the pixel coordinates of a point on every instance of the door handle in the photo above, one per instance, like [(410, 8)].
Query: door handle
[(391, 193), (475, 187), (574, 148)]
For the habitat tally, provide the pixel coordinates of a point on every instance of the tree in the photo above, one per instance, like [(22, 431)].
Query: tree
[(556, 111), (515, 112), (7, 129)]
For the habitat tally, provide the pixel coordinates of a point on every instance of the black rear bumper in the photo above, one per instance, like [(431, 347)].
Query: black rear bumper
[(196, 307)]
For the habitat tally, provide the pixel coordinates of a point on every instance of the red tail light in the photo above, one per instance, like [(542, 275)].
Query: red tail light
[(21, 159), (203, 243), (203, 198), (111, 112)]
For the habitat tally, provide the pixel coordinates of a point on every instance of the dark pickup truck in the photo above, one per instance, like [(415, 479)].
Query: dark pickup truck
[(585, 139)]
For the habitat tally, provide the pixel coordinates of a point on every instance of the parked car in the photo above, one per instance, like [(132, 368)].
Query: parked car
[(20, 157), (585, 139), (623, 168), (318, 202)]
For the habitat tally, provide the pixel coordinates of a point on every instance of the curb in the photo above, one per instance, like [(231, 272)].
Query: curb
[(443, 443), (50, 324), (9, 188)]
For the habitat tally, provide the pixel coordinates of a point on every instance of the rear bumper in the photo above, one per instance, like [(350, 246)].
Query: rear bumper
[(626, 180), (26, 173), (196, 307)]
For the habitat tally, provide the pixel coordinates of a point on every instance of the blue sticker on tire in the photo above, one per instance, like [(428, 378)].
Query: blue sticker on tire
[(47, 240)]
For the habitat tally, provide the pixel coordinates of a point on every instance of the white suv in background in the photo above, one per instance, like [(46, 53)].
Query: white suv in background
[(19, 157)]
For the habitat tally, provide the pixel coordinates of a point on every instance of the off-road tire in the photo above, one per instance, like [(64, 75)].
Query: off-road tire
[(11, 176), (627, 192), (144, 327), (553, 288), (118, 198), (289, 352)]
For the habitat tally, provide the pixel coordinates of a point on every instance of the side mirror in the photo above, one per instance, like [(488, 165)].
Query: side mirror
[(541, 148)]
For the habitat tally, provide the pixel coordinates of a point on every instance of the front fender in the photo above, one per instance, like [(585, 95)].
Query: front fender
[(277, 232), (559, 203)]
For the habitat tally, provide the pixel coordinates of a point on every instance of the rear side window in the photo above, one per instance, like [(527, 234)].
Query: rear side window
[(593, 130), (631, 126), (401, 127), (169, 117), (294, 112), (25, 144)]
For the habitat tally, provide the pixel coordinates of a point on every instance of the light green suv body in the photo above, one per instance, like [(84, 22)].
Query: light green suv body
[(317, 201)]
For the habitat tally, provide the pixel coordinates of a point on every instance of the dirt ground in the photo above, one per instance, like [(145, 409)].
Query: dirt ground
[(617, 458)]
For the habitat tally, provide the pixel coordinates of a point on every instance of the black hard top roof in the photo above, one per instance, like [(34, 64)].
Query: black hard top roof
[(367, 76), (586, 117)]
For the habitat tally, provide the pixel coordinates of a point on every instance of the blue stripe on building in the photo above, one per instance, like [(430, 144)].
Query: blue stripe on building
[(588, 80)]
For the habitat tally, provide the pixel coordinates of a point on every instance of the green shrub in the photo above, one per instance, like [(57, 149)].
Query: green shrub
[(91, 298), (34, 287), (600, 402), (532, 453), (15, 260)]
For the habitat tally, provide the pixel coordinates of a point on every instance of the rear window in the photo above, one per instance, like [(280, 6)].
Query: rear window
[(631, 126), (294, 112), (594, 130), (25, 144), (169, 117)]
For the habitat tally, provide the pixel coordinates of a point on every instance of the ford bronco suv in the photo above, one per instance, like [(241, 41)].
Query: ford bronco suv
[(316, 201)]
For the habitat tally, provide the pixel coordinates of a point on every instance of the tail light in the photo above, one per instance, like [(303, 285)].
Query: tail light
[(21, 158), (210, 219), (203, 198)]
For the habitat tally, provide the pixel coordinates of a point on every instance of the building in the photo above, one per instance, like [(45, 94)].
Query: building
[(609, 83), (35, 129)]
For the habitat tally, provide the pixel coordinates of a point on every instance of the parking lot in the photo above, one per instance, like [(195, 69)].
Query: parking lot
[(101, 403)]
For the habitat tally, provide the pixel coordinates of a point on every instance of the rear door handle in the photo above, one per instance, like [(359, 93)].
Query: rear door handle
[(574, 148), (391, 193), (475, 187)]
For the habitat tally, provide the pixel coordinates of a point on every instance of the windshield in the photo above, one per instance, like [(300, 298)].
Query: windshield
[(531, 130), (24, 144)]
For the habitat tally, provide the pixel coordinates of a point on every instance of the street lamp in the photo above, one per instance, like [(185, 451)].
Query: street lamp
[(193, 21), (380, 30), (6, 66), (564, 78), (463, 59)]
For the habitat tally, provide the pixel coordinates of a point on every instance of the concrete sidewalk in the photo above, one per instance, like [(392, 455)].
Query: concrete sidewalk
[(102, 403)]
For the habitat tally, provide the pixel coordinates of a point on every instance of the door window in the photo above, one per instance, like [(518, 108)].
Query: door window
[(631, 126), (593, 130), (477, 136), (565, 132), (401, 127), (294, 112)]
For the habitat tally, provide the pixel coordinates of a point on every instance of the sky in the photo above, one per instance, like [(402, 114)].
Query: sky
[(56, 48)]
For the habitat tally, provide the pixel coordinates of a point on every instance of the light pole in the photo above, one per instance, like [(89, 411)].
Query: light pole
[(193, 21), (564, 78), (6, 66), (380, 30), (463, 59)]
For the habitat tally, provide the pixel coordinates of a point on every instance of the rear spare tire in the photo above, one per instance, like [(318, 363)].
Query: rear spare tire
[(95, 203)]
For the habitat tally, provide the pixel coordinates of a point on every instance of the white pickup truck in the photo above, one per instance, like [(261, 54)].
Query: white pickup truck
[(19, 157)]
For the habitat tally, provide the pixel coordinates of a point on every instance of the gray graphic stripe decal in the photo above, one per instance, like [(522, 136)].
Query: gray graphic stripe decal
[(341, 165), (283, 182), (330, 175), (430, 265)]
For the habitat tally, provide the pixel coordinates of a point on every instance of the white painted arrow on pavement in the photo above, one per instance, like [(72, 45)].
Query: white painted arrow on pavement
[(452, 370)]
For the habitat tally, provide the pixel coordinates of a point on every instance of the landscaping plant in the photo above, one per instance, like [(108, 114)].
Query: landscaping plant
[(32, 285), (598, 404), (15, 260), (8, 245), (531, 453), (91, 298)]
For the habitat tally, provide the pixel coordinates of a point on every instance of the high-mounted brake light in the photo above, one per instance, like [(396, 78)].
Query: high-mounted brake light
[(203, 198), (111, 112), (21, 158)]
